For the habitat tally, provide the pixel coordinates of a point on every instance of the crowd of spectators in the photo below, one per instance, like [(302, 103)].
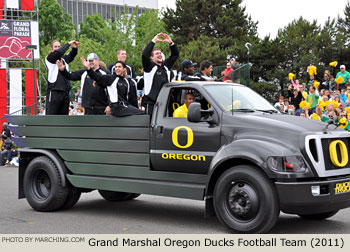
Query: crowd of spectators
[(320, 99), (8, 152)]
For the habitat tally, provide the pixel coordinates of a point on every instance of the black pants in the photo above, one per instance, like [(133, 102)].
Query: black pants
[(57, 103), (95, 111), (124, 109)]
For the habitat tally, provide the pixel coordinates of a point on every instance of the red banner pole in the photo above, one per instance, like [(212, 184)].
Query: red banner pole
[(3, 95)]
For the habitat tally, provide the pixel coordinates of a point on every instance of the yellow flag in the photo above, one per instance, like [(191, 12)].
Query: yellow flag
[(339, 80), (315, 117), (312, 70), (304, 104), (323, 104), (333, 63), (316, 84), (291, 76), (347, 109), (335, 103), (343, 123)]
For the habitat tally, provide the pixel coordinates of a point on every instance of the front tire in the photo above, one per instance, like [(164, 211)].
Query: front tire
[(42, 185), (319, 216), (245, 200)]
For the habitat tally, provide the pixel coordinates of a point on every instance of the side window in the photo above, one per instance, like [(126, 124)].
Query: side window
[(178, 97)]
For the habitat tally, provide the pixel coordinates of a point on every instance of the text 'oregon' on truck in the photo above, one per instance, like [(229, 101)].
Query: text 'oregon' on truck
[(234, 150)]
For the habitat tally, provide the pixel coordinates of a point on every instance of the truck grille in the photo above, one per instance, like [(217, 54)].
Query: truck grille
[(327, 160), (317, 149)]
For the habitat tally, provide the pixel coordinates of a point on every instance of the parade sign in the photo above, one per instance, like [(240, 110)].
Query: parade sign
[(14, 36)]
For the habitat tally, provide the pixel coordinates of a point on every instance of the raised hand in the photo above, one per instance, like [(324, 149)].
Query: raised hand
[(156, 38), (60, 65), (74, 43), (166, 38), (85, 63)]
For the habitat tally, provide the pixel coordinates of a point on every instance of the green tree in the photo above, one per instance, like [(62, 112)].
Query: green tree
[(298, 41), (94, 28), (343, 24), (222, 20), (53, 23), (203, 48), (266, 55), (342, 39), (128, 31)]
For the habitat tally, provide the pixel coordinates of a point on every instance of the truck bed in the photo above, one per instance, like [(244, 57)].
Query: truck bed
[(104, 152)]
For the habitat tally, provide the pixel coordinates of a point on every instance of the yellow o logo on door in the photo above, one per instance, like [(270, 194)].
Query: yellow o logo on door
[(189, 137), (334, 155)]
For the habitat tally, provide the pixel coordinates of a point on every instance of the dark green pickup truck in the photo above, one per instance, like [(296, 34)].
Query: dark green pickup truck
[(247, 161)]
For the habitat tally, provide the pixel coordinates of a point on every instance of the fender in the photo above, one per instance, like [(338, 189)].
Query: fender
[(250, 151), (62, 169)]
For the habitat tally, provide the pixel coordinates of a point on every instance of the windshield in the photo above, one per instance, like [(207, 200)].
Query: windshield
[(238, 98)]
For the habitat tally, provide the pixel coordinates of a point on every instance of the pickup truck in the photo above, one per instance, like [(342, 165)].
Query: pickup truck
[(234, 150)]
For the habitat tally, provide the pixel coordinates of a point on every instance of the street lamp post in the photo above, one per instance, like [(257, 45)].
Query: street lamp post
[(33, 47)]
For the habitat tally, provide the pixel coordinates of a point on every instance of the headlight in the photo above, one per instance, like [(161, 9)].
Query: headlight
[(290, 164)]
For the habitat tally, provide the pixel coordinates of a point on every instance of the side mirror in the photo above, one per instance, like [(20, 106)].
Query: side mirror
[(196, 114)]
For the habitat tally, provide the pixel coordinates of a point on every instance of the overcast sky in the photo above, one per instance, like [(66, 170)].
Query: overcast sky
[(275, 14)]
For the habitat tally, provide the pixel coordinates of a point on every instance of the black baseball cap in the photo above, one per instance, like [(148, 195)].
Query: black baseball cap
[(187, 63)]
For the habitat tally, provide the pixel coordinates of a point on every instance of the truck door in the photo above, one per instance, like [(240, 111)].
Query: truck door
[(179, 145)]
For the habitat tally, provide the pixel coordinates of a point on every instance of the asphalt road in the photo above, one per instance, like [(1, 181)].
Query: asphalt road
[(144, 215)]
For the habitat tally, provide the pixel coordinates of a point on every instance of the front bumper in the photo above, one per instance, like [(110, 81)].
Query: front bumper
[(297, 198)]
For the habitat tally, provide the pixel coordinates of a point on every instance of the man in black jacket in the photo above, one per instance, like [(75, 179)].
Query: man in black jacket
[(121, 90), (58, 87), (121, 56), (157, 71), (94, 97), (187, 72), (206, 68), (5, 130)]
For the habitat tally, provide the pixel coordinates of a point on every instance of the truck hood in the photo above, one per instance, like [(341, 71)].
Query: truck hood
[(285, 129), (285, 122), (290, 122)]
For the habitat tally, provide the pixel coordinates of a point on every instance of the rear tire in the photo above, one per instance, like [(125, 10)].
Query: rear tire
[(319, 216), (42, 185), (114, 196), (245, 200), (72, 198)]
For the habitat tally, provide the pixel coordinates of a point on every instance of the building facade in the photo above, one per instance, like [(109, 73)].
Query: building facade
[(78, 9)]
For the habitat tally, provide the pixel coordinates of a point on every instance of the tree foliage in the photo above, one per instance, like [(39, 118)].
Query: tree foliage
[(128, 31), (203, 48), (53, 23), (223, 20)]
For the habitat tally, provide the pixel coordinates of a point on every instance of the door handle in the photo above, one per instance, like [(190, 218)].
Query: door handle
[(159, 130)]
